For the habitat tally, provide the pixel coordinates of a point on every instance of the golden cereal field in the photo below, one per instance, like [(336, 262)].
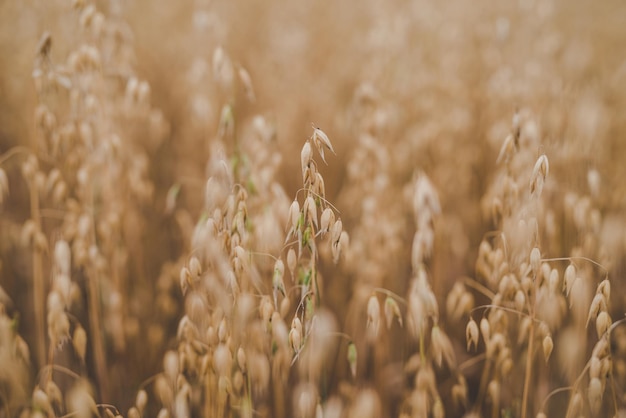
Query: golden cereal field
[(312, 208)]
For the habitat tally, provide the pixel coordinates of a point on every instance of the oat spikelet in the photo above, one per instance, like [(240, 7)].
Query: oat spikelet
[(352, 358), (373, 317), (392, 310), (471, 334), (321, 140)]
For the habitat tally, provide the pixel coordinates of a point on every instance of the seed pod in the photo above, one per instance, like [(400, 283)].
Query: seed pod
[(373, 317), (605, 366), (597, 305), (63, 256), (425, 379), (452, 300), (41, 401), (506, 366), (485, 329), (320, 186), (542, 167), (335, 230), (292, 261), (195, 269), (141, 400), (295, 339), (277, 279), (133, 412), (305, 400), (603, 322), (163, 390), (344, 240), (601, 349), (185, 279), (170, 365), (442, 347), (575, 404), (507, 150), (285, 305), (222, 330), (459, 392), (241, 359), (553, 282), (539, 174), (336, 250), (79, 341), (321, 139), (595, 394), (595, 367), (568, 278), (471, 334), (246, 82), (305, 157), (294, 214), (535, 260), (311, 210), (352, 358), (54, 394), (222, 360), (520, 300), (494, 390), (438, 411), (605, 289), (296, 323), (266, 309), (59, 193), (392, 310), (548, 345), (327, 220)]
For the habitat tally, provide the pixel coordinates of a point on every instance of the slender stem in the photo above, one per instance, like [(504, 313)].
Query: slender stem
[(58, 368), (472, 361), (14, 151), (529, 356), (38, 279), (308, 190), (95, 315), (390, 294), (555, 392), (529, 360), (483, 382), (96, 331), (578, 258), (478, 287), (422, 348)]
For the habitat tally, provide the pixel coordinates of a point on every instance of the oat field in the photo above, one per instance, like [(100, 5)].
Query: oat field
[(312, 208)]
